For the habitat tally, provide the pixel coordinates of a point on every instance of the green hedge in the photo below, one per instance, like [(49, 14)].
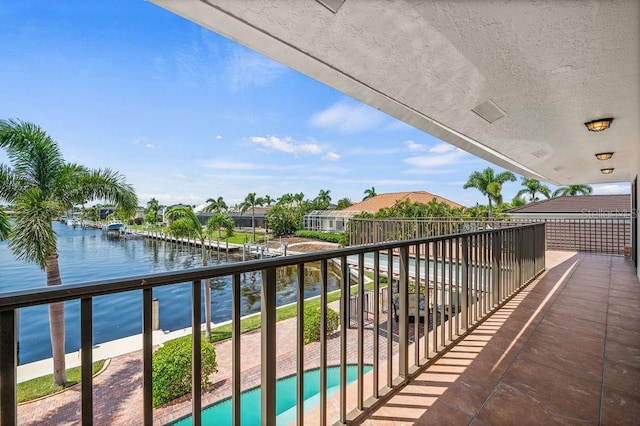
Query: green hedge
[(172, 369), (331, 237), (313, 319)]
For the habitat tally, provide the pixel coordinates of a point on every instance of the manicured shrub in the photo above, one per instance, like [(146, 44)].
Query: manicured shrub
[(331, 237), (312, 321), (172, 369)]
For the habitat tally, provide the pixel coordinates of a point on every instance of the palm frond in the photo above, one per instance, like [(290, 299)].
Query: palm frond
[(84, 185), (34, 155), (32, 238), (11, 184), (4, 224)]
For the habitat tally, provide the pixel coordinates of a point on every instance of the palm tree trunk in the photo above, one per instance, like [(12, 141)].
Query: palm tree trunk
[(56, 323), (489, 213)]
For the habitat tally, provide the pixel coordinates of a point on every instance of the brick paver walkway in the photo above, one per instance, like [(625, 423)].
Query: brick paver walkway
[(118, 390)]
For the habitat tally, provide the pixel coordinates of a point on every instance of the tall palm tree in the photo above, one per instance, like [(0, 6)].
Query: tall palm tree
[(573, 190), (533, 187), (183, 222), (250, 202), (215, 205), (489, 184), (268, 200), (41, 185), (369, 193)]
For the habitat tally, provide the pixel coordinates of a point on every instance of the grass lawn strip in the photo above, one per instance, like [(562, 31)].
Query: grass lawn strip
[(43, 386)]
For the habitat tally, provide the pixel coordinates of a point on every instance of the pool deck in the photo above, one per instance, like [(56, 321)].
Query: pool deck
[(566, 350)]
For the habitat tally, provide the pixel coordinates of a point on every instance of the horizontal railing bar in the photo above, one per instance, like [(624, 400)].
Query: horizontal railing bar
[(44, 295)]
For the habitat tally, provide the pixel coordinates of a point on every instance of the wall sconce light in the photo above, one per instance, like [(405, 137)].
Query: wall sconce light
[(607, 171), (599, 124), (604, 155)]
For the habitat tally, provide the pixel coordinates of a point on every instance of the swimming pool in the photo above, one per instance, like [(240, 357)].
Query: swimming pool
[(220, 412)]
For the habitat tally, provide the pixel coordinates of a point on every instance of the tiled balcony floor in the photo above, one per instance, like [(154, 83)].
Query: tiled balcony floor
[(566, 350)]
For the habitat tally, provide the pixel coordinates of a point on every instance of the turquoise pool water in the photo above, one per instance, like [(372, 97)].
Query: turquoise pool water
[(220, 412)]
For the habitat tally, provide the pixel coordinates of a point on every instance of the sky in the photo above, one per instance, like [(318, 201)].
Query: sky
[(186, 114)]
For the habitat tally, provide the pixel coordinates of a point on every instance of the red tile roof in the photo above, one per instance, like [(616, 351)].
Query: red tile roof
[(381, 201)]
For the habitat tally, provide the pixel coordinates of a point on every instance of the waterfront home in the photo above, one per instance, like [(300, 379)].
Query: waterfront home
[(336, 220)]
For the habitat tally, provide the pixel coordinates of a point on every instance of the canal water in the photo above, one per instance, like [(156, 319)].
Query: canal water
[(91, 255)]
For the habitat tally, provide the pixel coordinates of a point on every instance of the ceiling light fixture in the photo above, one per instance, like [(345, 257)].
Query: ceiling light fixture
[(607, 171), (599, 124), (604, 155)]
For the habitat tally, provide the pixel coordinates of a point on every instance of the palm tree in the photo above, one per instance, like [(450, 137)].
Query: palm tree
[(369, 193), (489, 184), (323, 199), (215, 206), (41, 185), (286, 199), (343, 203), (250, 202), (573, 190), (298, 198), (153, 206), (221, 221), (183, 222), (268, 200), (531, 188)]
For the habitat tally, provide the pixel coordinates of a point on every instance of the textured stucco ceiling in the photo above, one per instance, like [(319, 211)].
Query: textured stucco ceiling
[(549, 65)]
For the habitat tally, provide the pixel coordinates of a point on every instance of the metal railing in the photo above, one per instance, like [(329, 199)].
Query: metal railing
[(610, 235), (464, 277)]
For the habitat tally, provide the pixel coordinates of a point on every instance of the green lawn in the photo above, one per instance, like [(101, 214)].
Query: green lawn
[(42, 386)]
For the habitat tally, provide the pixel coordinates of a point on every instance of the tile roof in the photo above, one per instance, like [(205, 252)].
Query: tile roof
[(388, 200), (578, 204)]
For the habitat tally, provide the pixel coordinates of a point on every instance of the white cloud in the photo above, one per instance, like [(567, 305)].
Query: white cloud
[(348, 117), (444, 147), (149, 146), (332, 156), (218, 137), (446, 159), (612, 189), (287, 145), (414, 146)]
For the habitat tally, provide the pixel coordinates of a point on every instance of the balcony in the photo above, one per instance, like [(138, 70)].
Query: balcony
[(559, 345)]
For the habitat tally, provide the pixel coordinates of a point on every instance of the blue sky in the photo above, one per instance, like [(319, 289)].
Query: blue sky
[(186, 114)]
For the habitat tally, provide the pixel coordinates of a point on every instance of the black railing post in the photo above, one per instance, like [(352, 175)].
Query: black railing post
[(196, 353), (465, 283), (268, 346), (86, 344), (236, 360), (403, 326), (345, 297), (8, 367), (147, 356)]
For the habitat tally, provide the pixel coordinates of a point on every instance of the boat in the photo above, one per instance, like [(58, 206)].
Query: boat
[(114, 225), (74, 222)]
